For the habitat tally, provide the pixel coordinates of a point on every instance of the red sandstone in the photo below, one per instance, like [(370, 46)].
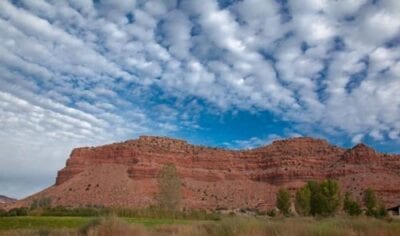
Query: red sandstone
[(125, 174)]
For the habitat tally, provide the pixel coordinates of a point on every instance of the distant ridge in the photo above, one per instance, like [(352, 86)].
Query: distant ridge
[(6, 200), (125, 174)]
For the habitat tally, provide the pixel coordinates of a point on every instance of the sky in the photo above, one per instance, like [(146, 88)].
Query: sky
[(224, 73)]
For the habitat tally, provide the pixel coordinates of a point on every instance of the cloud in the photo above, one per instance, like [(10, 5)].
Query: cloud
[(89, 72), (255, 142), (252, 142)]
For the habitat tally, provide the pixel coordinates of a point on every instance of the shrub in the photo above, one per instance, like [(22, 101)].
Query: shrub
[(21, 211), (350, 206), (3, 212), (41, 203), (370, 202), (112, 226), (78, 211), (381, 211), (374, 207), (303, 201), (84, 230), (271, 213), (283, 201), (261, 212)]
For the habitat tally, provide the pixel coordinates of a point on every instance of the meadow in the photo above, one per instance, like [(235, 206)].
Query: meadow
[(226, 225)]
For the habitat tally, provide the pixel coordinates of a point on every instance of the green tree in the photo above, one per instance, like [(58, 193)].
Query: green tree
[(325, 197), (41, 203), (370, 202), (303, 201), (283, 201), (331, 196), (350, 206), (374, 207), (317, 203), (169, 195)]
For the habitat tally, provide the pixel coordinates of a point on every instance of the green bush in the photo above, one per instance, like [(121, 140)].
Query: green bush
[(3, 212), (283, 201), (373, 206), (381, 211), (78, 211), (370, 202), (303, 201), (41, 203), (21, 211), (271, 213), (350, 206), (153, 212)]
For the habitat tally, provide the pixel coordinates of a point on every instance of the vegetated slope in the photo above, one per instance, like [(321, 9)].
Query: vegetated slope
[(125, 174)]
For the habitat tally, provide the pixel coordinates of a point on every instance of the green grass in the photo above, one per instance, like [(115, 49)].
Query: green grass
[(228, 226), (38, 222), (57, 222), (155, 222)]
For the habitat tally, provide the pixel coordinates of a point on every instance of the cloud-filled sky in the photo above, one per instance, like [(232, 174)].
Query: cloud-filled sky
[(227, 73)]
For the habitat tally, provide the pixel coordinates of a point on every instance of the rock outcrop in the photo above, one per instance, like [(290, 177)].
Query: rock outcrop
[(6, 201), (125, 174)]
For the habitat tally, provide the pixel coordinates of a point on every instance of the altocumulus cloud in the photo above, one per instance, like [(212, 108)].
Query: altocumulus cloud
[(89, 72)]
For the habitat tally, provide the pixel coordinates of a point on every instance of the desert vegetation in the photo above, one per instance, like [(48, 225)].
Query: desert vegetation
[(323, 199), (351, 206), (283, 201)]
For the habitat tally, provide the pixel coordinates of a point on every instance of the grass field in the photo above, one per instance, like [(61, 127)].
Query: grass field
[(236, 225), (56, 222)]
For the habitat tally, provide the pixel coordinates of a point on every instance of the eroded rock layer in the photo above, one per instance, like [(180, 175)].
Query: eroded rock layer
[(125, 174)]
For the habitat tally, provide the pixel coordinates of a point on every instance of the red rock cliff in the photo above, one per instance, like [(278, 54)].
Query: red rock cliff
[(125, 174)]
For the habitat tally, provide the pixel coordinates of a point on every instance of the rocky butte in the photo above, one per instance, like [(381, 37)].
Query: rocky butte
[(125, 174)]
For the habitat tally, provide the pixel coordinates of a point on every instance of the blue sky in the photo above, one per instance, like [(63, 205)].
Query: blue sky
[(233, 74)]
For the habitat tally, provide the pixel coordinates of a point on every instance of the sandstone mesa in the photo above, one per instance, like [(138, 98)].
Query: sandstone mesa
[(125, 174)]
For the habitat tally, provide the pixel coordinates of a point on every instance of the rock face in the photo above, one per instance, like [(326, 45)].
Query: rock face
[(6, 201), (125, 174)]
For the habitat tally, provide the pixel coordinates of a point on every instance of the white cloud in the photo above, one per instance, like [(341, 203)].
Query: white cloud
[(256, 142), (357, 138), (177, 32), (253, 142)]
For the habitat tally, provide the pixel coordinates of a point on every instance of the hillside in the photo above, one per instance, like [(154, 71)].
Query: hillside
[(6, 200), (125, 174)]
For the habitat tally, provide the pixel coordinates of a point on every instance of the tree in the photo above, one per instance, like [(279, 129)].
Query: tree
[(169, 195), (283, 201), (303, 201), (331, 195), (325, 197), (370, 202), (374, 207), (350, 206), (41, 203), (316, 199)]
